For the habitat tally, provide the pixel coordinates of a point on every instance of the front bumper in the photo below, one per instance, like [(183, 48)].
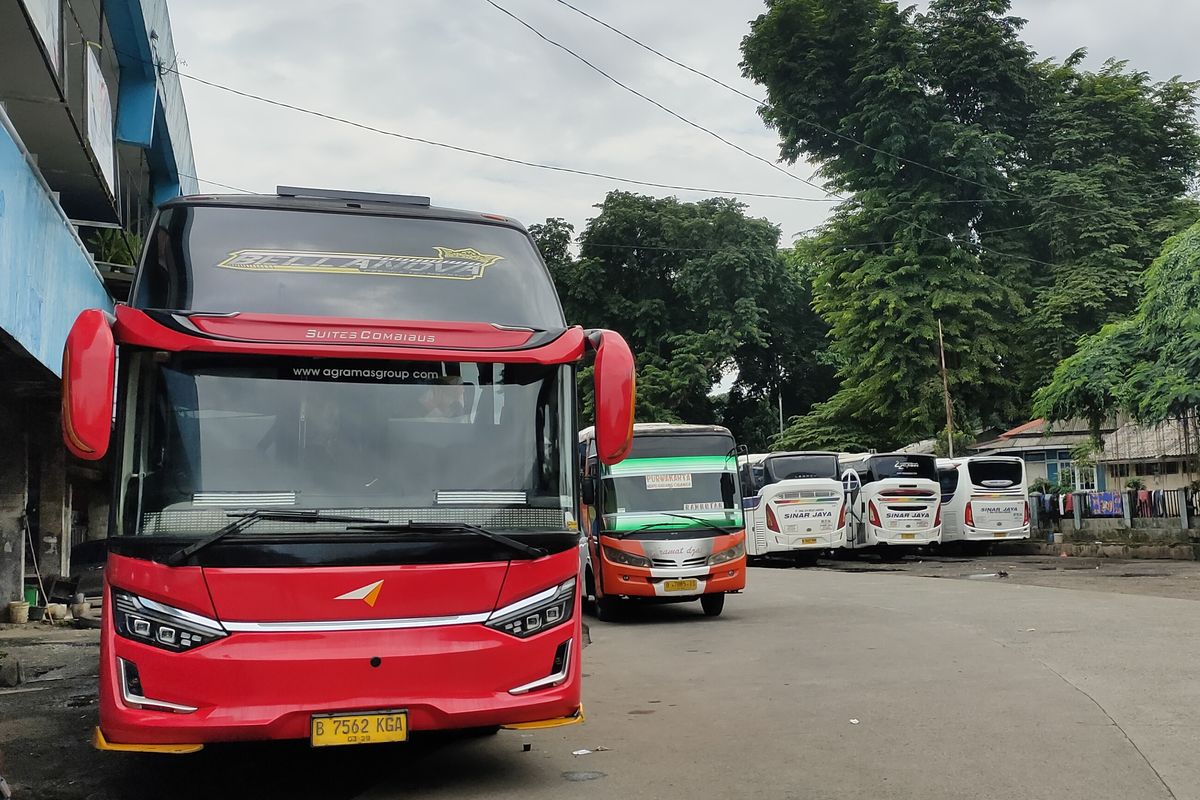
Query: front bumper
[(654, 582), (268, 685)]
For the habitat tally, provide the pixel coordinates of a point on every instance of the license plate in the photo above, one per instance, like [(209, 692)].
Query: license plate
[(686, 585), (908, 536), (998, 535), (334, 729), (809, 540)]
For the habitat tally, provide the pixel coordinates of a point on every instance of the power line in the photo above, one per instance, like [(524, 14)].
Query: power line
[(507, 159), (655, 103), (764, 104), (218, 183), (484, 153), (737, 147)]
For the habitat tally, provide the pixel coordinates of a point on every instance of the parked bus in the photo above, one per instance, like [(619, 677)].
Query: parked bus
[(984, 499), (665, 524), (895, 501), (345, 477), (795, 504)]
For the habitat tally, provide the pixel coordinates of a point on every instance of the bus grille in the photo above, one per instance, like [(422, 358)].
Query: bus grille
[(687, 562)]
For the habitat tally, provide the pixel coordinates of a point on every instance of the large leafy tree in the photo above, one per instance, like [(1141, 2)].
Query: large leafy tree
[(1015, 201), (1147, 365), (703, 294)]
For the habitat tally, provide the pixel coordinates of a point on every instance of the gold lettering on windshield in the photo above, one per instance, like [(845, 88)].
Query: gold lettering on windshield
[(459, 264)]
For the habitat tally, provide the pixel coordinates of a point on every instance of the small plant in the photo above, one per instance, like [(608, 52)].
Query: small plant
[(1043, 486), (1135, 483)]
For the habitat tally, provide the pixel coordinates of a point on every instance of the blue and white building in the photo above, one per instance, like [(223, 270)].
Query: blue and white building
[(93, 135)]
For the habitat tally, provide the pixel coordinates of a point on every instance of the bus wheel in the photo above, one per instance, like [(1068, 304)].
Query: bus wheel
[(589, 584), (713, 604), (606, 609)]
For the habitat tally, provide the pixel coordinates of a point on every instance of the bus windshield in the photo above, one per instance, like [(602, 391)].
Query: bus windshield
[(790, 468), (904, 466), (995, 474), (395, 441), (642, 491), (330, 264)]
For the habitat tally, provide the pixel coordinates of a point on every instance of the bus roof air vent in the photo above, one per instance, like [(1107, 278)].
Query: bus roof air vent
[(355, 197)]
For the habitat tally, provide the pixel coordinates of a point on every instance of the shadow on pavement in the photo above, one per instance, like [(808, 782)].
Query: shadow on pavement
[(270, 770)]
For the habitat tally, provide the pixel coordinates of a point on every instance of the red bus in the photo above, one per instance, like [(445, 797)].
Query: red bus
[(344, 476)]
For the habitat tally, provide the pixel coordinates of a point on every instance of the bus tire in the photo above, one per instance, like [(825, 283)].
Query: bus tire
[(606, 609), (713, 604), (589, 583)]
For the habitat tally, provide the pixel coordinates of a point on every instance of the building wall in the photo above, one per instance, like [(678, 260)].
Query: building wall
[(46, 275), (1119, 474)]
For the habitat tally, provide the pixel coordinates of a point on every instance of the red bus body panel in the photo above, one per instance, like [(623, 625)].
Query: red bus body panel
[(266, 684), (374, 339)]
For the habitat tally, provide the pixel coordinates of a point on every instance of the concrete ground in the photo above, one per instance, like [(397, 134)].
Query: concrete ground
[(848, 680)]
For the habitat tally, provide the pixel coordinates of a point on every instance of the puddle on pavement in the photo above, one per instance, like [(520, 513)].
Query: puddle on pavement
[(582, 776)]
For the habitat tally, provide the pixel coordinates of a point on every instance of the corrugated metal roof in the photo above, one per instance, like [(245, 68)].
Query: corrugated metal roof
[(1134, 442), (1064, 441)]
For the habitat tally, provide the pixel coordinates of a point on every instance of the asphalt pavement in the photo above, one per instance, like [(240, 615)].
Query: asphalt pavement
[(855, 681)]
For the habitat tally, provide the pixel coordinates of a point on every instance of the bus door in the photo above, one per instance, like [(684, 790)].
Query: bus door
[(852, 486)]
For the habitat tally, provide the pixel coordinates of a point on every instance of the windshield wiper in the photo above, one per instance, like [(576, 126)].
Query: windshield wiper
[(244, 519), (528, 551), (704, 522), (623, 534)]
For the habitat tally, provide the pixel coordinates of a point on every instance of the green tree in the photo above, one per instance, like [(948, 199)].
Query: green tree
[(701, 292), (1014, 201), (1147, 365)]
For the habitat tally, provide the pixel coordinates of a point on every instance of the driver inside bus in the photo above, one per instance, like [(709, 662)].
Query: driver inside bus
[(444, 400)]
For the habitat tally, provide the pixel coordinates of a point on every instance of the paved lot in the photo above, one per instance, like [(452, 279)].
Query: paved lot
[(984, 687)]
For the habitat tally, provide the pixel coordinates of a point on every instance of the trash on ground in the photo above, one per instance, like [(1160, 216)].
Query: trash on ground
[(581, 753), (600, 749), (853, 722)]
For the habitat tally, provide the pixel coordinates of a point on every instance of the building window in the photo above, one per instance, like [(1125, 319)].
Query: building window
[(1081, 478)]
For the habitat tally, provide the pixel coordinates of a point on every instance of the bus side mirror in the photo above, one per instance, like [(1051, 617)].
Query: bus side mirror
[(615, 395), (587, 490), (88, 368)]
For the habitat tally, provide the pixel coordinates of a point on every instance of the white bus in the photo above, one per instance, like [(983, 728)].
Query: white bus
[(894, 501), (794, 503), (985, 499)]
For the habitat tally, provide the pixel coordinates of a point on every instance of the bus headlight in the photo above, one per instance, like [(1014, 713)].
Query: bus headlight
[(627, 559), (728, 554), (536, 613), (160, 625)]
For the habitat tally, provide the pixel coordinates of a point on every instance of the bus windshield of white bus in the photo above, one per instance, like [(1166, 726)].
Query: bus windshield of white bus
[(394, 441), (904, 466), (995, 474), (798, 467)]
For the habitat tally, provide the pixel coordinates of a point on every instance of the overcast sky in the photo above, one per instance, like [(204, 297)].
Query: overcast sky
[(460, 72)]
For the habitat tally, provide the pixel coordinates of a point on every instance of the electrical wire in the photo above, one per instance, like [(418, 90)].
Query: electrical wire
[(218, 183), (1015, 196), (737, 147), (657, 104)]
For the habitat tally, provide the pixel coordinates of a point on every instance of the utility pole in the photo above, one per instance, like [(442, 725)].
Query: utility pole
[(946, 393), (780, 411)]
